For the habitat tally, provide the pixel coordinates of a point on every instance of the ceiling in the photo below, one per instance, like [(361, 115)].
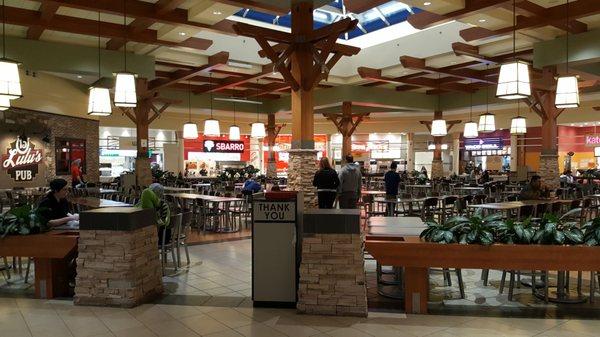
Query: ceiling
[(407, 46)]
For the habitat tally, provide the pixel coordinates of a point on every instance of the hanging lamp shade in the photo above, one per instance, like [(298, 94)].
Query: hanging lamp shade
[(487, 123), (258, 130), (190, 131), (10, 82), (518, 126), (597, 151), (234, 132), (513, 81), (567, 92), (99, 102), (438, 128), (211, 127), (4, 103), (470, 130), (125, 95)]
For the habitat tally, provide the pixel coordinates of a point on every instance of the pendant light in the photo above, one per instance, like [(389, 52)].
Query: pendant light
[(234, 130), (211, 125), (487, 121), (99, 98), (4, 103), (125, 94), (190, 129), (258, 128), (10, 82), (513, 81), (518, 125), (438, 126), (470, 130), (567, 89)]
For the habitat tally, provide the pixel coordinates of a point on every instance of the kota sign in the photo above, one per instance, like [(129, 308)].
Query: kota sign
[(22, 160), (592, 140), (223, 146), (478, 144)]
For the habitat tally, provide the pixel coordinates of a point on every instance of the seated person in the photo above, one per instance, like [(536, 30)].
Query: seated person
[(251, 185), (534, 190), (53, 208), (567, 177), (154, 197)]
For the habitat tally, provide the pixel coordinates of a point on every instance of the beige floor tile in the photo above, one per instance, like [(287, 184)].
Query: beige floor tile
[(56, 330), (85, 326), (150, 313), (259, 330), (14, 332), (259, 314), (228, 333), (381, 330), (171, 328), (230, 317), (135, 332), (348, 332), (203, 324), (218, 291), (179, 311), (120, 321)]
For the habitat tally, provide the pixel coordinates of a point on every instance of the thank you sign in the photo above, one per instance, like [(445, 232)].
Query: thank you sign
[(274, 211), (22, 160)]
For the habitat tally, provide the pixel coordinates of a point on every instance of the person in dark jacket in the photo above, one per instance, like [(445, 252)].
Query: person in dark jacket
[(391, 179), (535, 190), (53, 208), (326, 181)]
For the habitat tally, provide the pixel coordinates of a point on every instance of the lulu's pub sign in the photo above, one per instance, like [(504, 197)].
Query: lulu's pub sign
[(22, 160)]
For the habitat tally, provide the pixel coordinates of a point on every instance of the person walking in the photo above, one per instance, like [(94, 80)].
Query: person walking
[(326, 181), (391, 179), (350, 183)]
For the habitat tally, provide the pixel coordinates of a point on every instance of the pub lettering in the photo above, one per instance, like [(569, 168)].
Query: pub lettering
[(21, 160)]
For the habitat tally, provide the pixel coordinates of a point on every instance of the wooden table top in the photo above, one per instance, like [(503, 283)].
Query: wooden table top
[(508, 205), (53, 244), (210, 198), (178, 189), (469, 188), (404, 221), (410, 200), (93, 202), (372, 192), (425, 186), (395, 226)]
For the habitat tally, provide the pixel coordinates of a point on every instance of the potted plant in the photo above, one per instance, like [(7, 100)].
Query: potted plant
[(439, 233), (475, 229), (512, 232), (22, 220), (591, 232), (557, 231)]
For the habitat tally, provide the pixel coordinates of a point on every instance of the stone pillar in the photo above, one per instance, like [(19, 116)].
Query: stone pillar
[(410, 152), (514, 153), (549, 170), (332, 275), (301, 171), (437, 169), (456, 153), (118, 263)]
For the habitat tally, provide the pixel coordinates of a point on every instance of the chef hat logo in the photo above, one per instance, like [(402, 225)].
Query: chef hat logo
[(209, 145)]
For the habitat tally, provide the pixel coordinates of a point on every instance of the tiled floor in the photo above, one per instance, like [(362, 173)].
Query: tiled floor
[(212, 299)]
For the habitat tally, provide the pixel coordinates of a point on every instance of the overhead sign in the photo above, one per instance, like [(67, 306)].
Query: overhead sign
[(22, 160), (592, 140), (478, 144), (223, 146), (274, 211)]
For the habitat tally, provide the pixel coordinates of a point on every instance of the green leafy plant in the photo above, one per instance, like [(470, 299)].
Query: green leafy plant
[(22, 220), (438, 233), (558, 231), (512, 232), (475, 229), (591, 232)]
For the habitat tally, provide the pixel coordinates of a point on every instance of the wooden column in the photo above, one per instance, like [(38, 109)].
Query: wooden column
[(437, 166), (302, 62), (346, 123), (272, 133), (410, 152), (456, 153)]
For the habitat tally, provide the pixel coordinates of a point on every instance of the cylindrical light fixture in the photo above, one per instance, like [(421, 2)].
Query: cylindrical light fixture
[(211, 127), (438, 128), (190, 131), (487, 123), (470, 130), (518, 126), (597, 151), (99, 102), (258, 130), (567, 92), (10, 82), (125, 95), (234, 130)]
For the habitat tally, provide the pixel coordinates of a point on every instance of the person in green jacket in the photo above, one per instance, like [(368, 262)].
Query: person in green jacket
[(153, 197)]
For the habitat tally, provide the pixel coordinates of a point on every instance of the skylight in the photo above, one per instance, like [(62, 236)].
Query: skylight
[(374, 19)]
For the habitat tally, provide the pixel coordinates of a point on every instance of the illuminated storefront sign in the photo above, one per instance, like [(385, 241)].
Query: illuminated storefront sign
[(22, 160)]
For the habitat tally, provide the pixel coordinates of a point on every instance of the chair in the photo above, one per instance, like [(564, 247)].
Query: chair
[(168, 244), (429, 208), (448, 207), (182, 235)]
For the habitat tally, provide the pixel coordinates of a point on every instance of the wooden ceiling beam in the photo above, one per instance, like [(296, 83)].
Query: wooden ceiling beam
[(414, 63), (257, 5), (216, 60), (530, 8), (70, 24), (426, 19), (360, 6), (238, 81), (555, 16), (465, 49), (375, 75), (46, 12)]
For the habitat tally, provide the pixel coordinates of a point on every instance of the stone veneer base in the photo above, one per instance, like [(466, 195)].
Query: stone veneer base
[(549, 170), (302, 168), (437, 169), (118, 268), (332, 275)]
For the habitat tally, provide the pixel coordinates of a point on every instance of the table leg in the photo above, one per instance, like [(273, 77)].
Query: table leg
[(416, 290), (51, 278)]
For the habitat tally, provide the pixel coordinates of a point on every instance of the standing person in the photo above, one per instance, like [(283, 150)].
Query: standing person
[(424, 171), (326, 181), (76, 177), (154, 197), (391, 179), (350, 183)]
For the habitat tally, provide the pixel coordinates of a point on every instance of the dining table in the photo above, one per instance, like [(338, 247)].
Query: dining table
[(171, 189), (211, 202), (93, 202)]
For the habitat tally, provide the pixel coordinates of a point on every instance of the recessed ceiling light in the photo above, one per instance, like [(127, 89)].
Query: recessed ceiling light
[(79, 76), (584, 123), (426, 3), (182, 33), (217, 12), (481, 20)]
